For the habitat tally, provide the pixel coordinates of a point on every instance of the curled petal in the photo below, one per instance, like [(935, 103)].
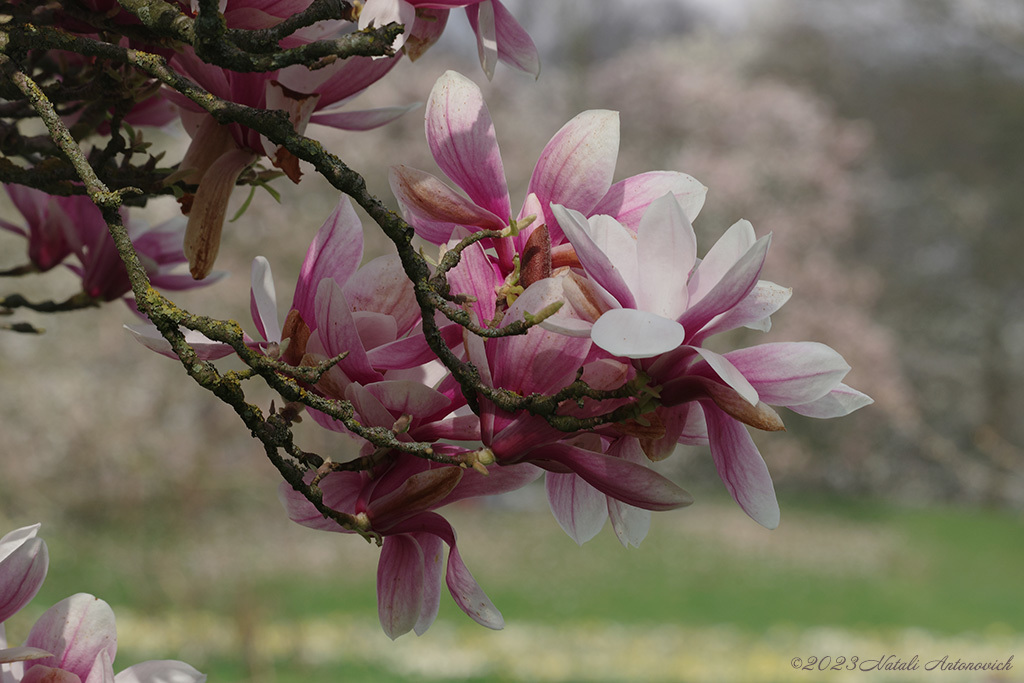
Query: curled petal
[(425, 32), (630, 523), (434, 208), (723, 255), (481, 17), (515, 47), (383, 12), (591, 249), (753, 311), (466, 592), (433, 559), (417, 493), (206, 219)]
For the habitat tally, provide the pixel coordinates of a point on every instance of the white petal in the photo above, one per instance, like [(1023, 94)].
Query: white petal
[(636, 334)]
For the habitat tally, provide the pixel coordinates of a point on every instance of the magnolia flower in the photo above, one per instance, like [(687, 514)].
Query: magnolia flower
[(499, 36), (396, 501), (575, 170), (75, 641), (48, 229), (219, 154), (648, 298), (60, 226)]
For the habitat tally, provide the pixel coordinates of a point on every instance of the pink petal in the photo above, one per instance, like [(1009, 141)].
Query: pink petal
[(627, 200), (337, 329), (408, 398), (334, 253), (205, 348), (23, 563), (841, 401), (753, 311), (621, 479), (434, 209), (729, 374), (579, 508), (630, 333), (729, 291), (411, 351), (790, 373), (666, 251), (417, 493), (76, 630), (263, 300), (477, 276), (433, 557), (363, 119), (399, 585), (481, 18), (383, 287), (723, 255), (515, 47), (301, 511), (598, 264), (498, 480), (576, 167), (430, 24), (461, 137), (630, 523), (741, 467), (539, 361), (375, 329), (378, 13)]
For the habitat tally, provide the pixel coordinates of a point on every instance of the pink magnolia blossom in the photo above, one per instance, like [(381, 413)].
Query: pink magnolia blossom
[(575, 170), (396, 501), (48, 229), (499, 36), (75, 641), (219, 154), (72, 642), (651, 300), (542, 362), (23, 563), (60, 226)]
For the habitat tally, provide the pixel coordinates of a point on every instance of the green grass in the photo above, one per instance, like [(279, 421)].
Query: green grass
[(862, 568)]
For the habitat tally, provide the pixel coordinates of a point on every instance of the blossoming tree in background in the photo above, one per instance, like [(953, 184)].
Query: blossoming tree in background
[(567, 340)]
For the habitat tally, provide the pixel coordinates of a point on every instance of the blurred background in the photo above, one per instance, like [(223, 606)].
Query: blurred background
[(878, 141)]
